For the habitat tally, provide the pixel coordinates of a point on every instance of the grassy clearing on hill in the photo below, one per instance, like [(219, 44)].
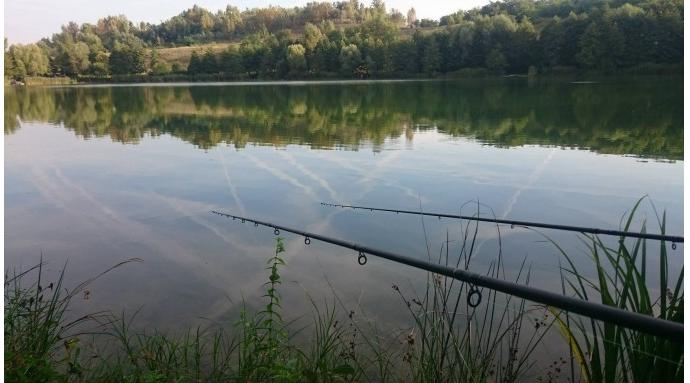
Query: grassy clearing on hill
[(181, 55)]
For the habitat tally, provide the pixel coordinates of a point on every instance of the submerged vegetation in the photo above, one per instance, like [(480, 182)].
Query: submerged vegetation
[(348, 39), (447, 339)]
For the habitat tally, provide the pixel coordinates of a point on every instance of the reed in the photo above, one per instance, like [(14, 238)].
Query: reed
[(623, 273), (41, 338), (492, 341)]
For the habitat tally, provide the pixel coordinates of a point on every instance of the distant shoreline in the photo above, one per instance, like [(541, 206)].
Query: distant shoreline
[(218, 80), (245, 82)]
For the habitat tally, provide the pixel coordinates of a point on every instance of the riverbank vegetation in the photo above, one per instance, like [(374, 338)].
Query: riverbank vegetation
[(447, 339), (351, 40)]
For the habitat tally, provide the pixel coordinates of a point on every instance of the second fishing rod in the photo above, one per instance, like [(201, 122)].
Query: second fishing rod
[(618, 233)]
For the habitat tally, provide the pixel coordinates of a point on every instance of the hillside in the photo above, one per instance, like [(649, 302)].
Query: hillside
[(350, 40), (179, 56)]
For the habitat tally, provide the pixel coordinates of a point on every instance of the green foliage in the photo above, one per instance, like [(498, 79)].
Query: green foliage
[(259, 350), (33, 317), (505, 36), (208, 63), (100, 64), (600, 47), (608, 353), (350, 58), (426, 23), (72, 58), (160, 68), (312, 36), (430, 54), (295, 58), (231, 62), (26, 60), (41, 340), (496, 61), (270, 319), (195, 65), (127, 59)]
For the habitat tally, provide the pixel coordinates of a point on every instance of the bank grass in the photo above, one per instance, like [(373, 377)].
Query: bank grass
[(463, 333), (608, 353), (259, 348), (41, 337)]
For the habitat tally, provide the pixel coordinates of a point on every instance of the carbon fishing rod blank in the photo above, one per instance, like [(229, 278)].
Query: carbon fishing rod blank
[(618, 233), (672, 331)]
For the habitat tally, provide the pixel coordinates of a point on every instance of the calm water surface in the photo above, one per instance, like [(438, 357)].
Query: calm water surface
[(95, 175)]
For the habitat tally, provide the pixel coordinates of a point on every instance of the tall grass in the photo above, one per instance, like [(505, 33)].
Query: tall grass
[(41, 339), (259, 349), (610, 353), (453, 341)]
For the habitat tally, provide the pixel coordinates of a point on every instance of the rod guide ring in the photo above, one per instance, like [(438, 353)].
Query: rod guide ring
[(474, 296)]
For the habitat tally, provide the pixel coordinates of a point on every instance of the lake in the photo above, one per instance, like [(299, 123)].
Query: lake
[(96, 175)]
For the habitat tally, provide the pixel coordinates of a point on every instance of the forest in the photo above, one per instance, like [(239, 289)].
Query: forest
[(349, 39)]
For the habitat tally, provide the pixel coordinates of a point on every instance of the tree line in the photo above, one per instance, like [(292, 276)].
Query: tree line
[(349, 39)]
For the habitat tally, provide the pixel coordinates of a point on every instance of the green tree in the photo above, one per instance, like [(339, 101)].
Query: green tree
[(194, 66), (228, 21), (28, 60), (209, 62), (154, 58), (99, 65), (405, 57), (495, 60), (126, 59), (72, 58), (378, 7), (350, 58), (601, 47), (431, 55), (9, 62), (231, 62), (295, 58), (161, 67), (312, 36)]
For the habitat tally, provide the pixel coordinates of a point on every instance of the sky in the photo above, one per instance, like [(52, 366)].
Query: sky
[(28, 21)]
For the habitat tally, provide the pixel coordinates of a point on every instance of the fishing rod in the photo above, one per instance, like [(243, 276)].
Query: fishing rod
[(662, 237), (669, 330)]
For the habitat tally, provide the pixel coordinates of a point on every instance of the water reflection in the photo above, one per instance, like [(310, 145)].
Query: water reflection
[(641, 118), (73, 192)]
